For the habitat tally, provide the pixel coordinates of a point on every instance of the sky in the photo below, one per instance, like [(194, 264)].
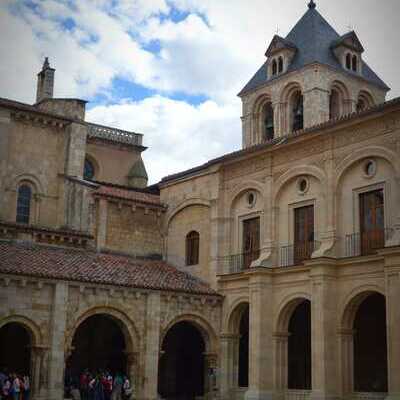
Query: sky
[(171, 69)]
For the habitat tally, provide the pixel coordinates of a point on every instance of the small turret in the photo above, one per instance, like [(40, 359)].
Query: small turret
[(45, 84)]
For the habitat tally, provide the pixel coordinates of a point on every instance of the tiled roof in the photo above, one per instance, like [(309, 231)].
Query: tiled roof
[(313, 37), (128, 194), (282, 140), (40, 261)]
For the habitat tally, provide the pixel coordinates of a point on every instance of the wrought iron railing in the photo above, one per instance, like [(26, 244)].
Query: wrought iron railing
[(236, 263), (366, 243), (296, 253), (114, 135)]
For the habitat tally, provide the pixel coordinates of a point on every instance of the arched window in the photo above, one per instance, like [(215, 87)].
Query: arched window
[(268, 120), (348, 61), (192, 248), (24, 204), (354, 63), (274, 68), (361, 105), (88, 172), (297, 112), (334, 104), (280, 65)]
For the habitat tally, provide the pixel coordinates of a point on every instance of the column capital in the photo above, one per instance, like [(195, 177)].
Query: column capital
[(211, 359)]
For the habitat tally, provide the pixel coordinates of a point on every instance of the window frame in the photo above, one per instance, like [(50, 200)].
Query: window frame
[(24, 217), (192, 256)]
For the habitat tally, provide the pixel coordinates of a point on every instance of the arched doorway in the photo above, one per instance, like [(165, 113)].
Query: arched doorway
[(15, 348), (98, 345), (243, 374), (299, 347), (182, 366), (370, 345)]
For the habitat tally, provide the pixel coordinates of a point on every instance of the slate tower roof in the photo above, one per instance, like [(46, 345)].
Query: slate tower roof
[(314, 39)]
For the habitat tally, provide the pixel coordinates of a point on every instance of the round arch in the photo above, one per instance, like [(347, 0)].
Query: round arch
[(131, 335), (352, 301), (97, 168), (233, 315), (206, 330), (341, 88), (298, 171), (358, 155), (366, 97), (182, 206), (29, 178), (260, 101), (243, 187), (286, 308), (289, 89), (31, 327)]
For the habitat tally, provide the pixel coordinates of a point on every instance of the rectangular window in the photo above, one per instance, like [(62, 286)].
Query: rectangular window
[(372, 221), (303, 233), (251, 241)]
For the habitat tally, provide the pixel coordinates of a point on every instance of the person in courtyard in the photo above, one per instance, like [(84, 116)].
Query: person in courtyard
[(117, 387)]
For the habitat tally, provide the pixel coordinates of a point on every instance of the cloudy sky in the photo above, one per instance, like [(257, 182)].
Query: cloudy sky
[(171, 69)]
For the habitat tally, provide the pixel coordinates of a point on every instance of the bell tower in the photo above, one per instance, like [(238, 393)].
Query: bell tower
[(45, 83)]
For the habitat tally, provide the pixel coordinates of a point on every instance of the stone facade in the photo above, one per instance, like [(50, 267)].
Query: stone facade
[(329, 165)]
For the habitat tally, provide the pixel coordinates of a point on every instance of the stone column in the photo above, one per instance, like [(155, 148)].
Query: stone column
[(152, 345), (325, 382), (280, 364), (229, 364), (260, 346), (57, 340), (346, 364), (37, 363), (392, 275), (133, 371), (102, 224), (211, 373), (316, 107)]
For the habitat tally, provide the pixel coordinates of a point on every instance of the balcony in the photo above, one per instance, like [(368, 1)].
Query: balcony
[(366, 243), (236, 263), (295, 254)]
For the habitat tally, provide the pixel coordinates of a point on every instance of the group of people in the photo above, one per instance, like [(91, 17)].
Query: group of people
[(14, 386), (98, 386)]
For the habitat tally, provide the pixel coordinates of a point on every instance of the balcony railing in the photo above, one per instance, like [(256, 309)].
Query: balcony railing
[(366, 243), (296, 253), (236, 263), (115, 135)]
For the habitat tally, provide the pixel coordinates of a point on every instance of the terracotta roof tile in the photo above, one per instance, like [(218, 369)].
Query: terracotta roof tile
[(29, 259)]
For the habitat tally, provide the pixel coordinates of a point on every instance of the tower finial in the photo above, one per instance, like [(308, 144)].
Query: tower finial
[(311, 5), (46, 63)]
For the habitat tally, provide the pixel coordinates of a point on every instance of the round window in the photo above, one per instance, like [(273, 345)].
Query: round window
[(370, 168), (251, 199), (302, 185)]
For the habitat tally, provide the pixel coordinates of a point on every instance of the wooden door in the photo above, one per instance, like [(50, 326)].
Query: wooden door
[(303, 233), (251, 241), (372, 221)]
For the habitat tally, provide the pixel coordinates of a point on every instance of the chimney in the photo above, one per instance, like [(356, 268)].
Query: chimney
[(45, 84)]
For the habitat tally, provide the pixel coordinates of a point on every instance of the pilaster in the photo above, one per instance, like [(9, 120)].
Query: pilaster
[(57, 339), (76, 149), (392, 281), (260, 346), (152, 347), (316, 107), (325, 379)]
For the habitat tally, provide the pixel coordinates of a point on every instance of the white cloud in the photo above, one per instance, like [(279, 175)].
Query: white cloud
[(178, 134)]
